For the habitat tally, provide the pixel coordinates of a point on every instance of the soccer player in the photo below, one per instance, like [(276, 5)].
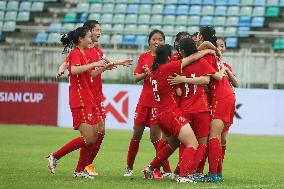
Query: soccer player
[(221, 44), (94, 54), (179, 37), (170, 118), (222, 101), (145, 113), (84, 110)]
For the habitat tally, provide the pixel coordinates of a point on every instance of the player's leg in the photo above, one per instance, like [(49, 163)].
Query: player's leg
[(223, 144)]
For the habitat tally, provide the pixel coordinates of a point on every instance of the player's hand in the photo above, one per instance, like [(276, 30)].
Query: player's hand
[(210, 51), (176, 79), (147, 70), (60, 72), (127, 62), (110, 66)]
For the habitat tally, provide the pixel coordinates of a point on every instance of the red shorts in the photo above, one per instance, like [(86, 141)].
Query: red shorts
[(87, 114), (224, 109), (101, 109), (145, 116), (200, 123), (171, 122)]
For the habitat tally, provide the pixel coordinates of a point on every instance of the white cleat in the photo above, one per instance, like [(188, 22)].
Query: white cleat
[(167, 174), (128, 172), (148, 173), (83, 174), (52, 162), (188, 179)]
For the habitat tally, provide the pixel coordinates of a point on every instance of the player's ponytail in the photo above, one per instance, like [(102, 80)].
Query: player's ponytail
[(209, 34), (188, 46), (163, 53), (72, 38)]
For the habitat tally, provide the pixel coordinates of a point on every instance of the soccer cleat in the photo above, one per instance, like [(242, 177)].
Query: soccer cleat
[(52, 162), (221, 178), (91, 170), (212, 178), (83, 174), (167, 174), (128, 172), (148, 173), (198, 177), (157, 174), (174, 176), (188, 179)]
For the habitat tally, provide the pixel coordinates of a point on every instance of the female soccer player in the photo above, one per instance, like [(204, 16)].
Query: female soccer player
[(179, 37), (95, 54), (222, 101), (221, 44), (145, 113), (84, 110), (170, 118)]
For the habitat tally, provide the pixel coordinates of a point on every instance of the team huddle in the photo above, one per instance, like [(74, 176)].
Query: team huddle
[(187, 101)]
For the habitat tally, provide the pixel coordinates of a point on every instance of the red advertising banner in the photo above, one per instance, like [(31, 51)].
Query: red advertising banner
[(28, 103)]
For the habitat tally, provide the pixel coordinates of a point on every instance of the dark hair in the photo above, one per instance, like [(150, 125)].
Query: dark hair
[(194, 34), (154, 32), (209, 34), (90, 24), (179, 36), (188, 46), (223, 39), (162, 54), (72, 38)]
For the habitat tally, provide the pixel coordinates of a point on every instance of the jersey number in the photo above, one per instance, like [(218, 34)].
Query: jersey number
[(155, 90)]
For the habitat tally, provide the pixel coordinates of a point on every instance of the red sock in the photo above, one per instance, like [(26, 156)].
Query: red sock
[(132, 151), (199, 155), (187, 161), (177, 170), (159, 144), (220, 164), (96, 147), (84, 158), (201, 166), (69, 147), (162, 155), (215, 153)]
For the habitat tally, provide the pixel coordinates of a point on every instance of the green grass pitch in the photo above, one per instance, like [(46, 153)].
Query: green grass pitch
[(251, 161)]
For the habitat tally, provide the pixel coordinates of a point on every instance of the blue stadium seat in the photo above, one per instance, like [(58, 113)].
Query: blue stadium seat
[(157, 9), (118, 28), (37, 6), (193, 20), (208, 2), (181, 20), (232, 42), (119, 19), (257, 22), (145, 1), (183, 2), (234, 2), (219, 30), (156, 19), (131, 19), (192, 29), (230, 31), (246, 11), (145, 9), (143, 19), (272, 2), (10, 16), (219, 21), (258, 11), (130, 28), (97, 8), (246, 2), (12, 5), (142, 29), (221, 2), (132, 9), (55, 27), (25, 6), (243, 32), (41, 38), (120, 8), (9, 26), (170, 1), (84, 17), (182, 10), (232, 21), (1, 15), (128, 40), (195, 2), (82, 7), (106, 19), (245, 21), (206, 21), (195, 10), (141, 40), (170, 10), (23, 16), (108, 8), (233, 11), (2, 5), (180, 28), (168, 29), (94, 16), (66, 27), (281, 3), (158, 1), (105, 39), (116, 39), (54, 38), (169, 20), (220, 11), (133, 1), (259, 2), (207, 10)]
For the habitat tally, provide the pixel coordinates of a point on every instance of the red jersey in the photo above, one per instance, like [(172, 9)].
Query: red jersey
[(80, 94), (194, 98), (95, 54), (175, 56), (165, 94), (147, 95), (218, 89)]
